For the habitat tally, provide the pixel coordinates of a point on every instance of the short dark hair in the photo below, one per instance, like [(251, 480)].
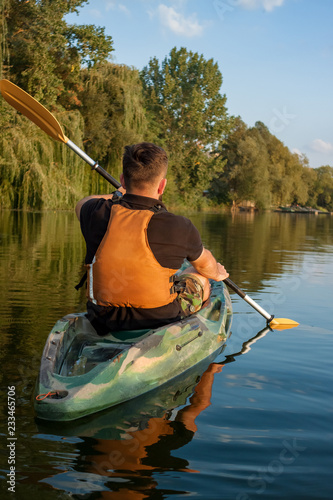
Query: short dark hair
[(143, 163)]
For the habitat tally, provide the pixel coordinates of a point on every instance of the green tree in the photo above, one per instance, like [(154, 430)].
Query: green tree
[(46, 54), (261, 169), (188, 116), (309, 178), (37, 172), (246, 174), (224, 186), (112, 107), (4, 55), (324, 187)]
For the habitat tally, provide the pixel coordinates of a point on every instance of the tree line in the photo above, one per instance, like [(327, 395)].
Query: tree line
[(176, 103)]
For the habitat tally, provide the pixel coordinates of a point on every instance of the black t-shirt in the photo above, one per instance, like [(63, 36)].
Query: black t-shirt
[(172, 238)]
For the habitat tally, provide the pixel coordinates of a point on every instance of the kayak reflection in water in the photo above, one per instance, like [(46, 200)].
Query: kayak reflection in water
[(118, 450), (149, 449)]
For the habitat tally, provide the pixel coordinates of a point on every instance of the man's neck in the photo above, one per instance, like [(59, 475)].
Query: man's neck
[(146, 193)]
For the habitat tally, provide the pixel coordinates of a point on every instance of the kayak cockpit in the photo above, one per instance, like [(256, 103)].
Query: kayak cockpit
[(74, 348), (86, 353), (85, 349)]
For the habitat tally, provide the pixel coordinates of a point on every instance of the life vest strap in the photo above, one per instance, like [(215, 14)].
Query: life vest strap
[(81, 282)]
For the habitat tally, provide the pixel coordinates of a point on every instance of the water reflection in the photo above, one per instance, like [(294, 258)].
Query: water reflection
[(246, 347), (42, 254), (257, 247), (119, 451), (125, 449)]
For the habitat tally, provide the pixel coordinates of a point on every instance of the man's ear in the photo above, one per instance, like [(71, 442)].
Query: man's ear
[(161, 186), (122, 181)]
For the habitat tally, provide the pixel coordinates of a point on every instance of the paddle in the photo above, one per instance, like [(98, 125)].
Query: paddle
[(39, 115), (276, 323)]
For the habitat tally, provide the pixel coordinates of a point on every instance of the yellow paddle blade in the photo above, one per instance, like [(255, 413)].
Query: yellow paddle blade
[(32, 109), (282, 323)]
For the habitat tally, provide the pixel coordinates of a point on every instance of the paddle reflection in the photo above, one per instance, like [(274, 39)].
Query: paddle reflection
[(246, 347)]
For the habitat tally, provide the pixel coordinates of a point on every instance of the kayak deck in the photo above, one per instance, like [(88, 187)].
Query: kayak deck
[(82, 373)]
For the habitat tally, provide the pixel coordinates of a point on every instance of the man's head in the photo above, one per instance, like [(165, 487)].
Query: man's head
[(144, 166)]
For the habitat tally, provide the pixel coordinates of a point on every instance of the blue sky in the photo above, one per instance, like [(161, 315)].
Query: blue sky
[(275, 56)]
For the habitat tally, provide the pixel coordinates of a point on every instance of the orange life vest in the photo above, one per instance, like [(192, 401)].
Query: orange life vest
[(124, 270)]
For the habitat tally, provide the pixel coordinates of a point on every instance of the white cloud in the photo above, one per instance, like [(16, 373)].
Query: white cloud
[(110, 5), (123, 8), (95, 13), (267, 5), (113, 5), (321, 146), (297, 151), (178, 23)]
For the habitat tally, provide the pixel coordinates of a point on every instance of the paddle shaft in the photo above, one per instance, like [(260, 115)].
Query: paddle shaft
[(248, 299), (93, 164), (40, 116)]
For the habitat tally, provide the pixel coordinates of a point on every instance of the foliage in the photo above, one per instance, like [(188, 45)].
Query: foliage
[(36, 172), (112, 105), (261, 169), (45, 54), (102, 106), (246, 174), (4, 54), (188, 117), (324, 187)]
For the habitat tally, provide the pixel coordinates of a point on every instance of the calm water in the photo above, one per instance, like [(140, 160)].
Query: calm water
[(258, 424)]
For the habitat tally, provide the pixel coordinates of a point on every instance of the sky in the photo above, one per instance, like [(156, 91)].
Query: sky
[(275, 56)]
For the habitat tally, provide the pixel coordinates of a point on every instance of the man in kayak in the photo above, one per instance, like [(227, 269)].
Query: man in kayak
[(135, 247)]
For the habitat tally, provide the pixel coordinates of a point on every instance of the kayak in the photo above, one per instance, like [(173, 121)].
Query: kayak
[(82, 372), (118, 421)]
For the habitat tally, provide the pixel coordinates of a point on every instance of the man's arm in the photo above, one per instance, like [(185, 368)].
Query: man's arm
[(87, 198), (207, 266), (94, 196)]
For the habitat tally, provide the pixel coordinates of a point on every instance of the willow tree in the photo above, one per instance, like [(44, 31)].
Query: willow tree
[(44, 55), (37, 172), (5, 112), (4, 55), (112, 106), (188, 117)]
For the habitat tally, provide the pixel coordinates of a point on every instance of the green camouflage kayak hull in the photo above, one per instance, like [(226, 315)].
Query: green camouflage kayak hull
[(115, 422), (82, 373)]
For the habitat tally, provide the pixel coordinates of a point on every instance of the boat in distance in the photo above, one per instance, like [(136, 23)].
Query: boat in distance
[(82, 372)]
